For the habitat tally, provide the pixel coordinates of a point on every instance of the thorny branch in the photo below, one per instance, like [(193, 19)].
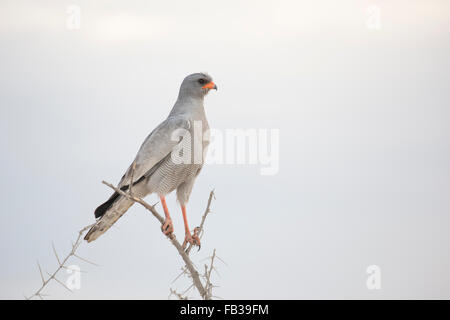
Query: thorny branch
[(206, 276), (204, 290), (61, 265), (207, 210), (180, 296)]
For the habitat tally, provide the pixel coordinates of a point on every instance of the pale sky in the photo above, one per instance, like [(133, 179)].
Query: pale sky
[(363, 115)]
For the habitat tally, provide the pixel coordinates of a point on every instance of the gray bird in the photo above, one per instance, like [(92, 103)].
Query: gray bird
[(170, 158)]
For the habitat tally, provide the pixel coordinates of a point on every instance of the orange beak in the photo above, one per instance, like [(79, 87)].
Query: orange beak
[(210, 85)]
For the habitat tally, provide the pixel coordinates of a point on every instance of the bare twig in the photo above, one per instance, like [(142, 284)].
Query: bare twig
[(85, 260), (189, 269), (202, 223), (207, 275), (183, 271), (40, 272), (56, 255), (61, 265), (189, 265), (180, 296), (61, 283)]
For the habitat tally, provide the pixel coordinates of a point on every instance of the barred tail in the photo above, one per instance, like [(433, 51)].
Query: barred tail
[(109, 212)]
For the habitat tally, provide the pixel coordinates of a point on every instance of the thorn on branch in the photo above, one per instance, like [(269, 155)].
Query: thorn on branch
[(61, 265), (184, 255)]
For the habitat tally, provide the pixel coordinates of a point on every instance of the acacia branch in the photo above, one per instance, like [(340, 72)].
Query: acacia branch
[(204, 292), (190, 269), (207, 210), (180, 296), (209, 286), (61, 265)]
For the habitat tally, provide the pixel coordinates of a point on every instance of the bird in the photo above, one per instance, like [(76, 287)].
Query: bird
[(167, 160)]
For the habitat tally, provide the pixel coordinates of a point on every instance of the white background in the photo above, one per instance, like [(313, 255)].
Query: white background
[(364, 156)]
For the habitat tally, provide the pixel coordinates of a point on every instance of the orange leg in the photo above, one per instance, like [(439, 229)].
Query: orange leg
[(192, 239), (167, 227)]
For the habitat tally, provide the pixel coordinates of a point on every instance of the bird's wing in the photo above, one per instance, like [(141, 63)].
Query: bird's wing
[(159, 143)]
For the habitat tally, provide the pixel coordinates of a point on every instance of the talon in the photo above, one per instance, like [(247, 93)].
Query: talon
[(167, 227), (192, 239), (197, 238)]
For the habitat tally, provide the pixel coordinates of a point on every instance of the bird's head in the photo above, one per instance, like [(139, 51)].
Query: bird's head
[(197, 85)]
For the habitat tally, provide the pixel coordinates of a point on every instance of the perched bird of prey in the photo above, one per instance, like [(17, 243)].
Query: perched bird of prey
[(161, 165)]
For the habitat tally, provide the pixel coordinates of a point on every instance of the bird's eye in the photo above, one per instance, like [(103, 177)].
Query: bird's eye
[(202, 81)]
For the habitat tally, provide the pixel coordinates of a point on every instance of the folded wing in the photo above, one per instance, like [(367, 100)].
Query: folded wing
[(159, 143)]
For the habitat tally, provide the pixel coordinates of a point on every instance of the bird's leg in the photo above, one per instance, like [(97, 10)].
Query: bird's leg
[(167, 227), (192, 239)]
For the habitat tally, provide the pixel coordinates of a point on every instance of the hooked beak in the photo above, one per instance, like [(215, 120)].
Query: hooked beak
[(210, 85)]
